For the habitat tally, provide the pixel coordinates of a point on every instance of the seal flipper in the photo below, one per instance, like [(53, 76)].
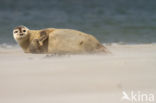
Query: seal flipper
[(43, 37)]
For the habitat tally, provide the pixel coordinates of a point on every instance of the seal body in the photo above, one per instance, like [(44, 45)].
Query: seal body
[(73, 41), (61, 41)]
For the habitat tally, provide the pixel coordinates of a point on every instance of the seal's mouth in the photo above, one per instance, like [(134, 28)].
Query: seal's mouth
[(19, 36)]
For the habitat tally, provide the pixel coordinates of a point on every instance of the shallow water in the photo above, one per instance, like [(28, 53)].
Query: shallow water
[(127, 21)]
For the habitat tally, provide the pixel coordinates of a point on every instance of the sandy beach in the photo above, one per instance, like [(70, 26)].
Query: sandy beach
[(37, 78)]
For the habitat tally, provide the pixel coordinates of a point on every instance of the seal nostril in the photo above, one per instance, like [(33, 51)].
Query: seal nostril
[(21, 34)]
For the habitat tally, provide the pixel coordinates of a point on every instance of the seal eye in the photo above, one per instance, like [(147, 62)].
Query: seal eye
[(16, 32), (24, 30)]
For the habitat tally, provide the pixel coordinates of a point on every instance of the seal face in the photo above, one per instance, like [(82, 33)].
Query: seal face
[(20, 32)]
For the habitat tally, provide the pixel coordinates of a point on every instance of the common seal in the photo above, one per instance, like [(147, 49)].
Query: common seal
[(53, 40)]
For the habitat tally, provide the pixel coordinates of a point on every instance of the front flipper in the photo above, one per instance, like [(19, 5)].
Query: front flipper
[(43, 37)]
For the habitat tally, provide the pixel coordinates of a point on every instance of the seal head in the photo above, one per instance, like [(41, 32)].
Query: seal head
[(20, 33)]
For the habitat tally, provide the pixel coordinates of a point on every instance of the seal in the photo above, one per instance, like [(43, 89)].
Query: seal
[(60, 41)]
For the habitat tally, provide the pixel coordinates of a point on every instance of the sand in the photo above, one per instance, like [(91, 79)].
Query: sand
[(37, 78)]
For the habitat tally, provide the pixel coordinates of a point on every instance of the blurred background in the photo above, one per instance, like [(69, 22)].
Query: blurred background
[(119, 21)]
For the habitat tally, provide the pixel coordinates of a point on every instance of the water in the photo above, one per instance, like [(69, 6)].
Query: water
[(126, 21)]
